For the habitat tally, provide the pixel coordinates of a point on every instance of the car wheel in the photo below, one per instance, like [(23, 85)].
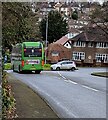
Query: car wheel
[(51, 68), (72, 68), (58, 68)]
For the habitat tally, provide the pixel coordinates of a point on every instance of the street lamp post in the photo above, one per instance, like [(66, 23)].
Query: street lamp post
[(46, 38)]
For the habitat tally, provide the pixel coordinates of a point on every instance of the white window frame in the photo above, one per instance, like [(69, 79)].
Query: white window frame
[(79, 44), (101, 45), (78, 56), (99, 57)]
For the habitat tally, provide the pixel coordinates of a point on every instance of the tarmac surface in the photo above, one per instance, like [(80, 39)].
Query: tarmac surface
[(28, 103)]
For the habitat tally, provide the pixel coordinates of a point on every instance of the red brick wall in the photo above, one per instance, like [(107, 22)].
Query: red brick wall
[(90, 53), (62, 52)]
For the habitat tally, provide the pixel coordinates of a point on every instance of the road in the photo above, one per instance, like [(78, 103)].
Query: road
[(70, 94)]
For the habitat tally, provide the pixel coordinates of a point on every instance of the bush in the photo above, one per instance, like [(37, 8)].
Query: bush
[(8, 100), (7, 66), (47, 66)]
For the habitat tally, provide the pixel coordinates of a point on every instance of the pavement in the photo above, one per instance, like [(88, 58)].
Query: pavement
[(28, 103), (0, 103), (0, 93)]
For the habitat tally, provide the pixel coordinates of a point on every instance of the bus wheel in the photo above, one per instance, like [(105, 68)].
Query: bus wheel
[(37, 71), (13, 68), (19, 69)]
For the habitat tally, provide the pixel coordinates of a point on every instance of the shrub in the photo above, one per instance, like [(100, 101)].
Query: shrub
[(47, 66), (7, 66), (8, 100)]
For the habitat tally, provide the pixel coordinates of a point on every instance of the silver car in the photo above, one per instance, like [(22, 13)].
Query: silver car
[(64, 65)]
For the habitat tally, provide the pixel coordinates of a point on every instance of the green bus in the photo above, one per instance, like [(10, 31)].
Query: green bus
[(28, 56)]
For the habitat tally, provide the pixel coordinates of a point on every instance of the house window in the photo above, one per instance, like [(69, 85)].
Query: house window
[(55, 53), (78, 56), (90, 44), (99, 57), (79, 44), (102, 45)]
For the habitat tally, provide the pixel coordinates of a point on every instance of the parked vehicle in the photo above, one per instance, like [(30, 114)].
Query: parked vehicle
[(64, 65)]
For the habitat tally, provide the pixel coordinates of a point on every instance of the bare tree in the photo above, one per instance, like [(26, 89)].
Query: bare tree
[(100, 17)]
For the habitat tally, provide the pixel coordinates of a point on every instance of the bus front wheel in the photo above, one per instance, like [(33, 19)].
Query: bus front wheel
[(13, 68), (19, 69), (37, 71)]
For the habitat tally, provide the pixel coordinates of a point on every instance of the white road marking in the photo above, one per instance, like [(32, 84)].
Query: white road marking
[(72, 82), (66, 80), (64, 77), (50, 98), (61, 75), (69, 81), (8, 71), (90, 88)]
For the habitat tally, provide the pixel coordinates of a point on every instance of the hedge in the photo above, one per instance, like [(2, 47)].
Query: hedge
[(8, 100)]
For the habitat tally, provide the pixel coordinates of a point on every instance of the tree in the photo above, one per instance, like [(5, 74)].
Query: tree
[(100, 17), (57, 26), (75, 15), (17, 23)]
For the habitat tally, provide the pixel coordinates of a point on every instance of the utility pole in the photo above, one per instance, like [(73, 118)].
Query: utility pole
[(46, 36)]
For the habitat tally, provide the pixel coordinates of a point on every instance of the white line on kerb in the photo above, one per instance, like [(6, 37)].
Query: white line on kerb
[(89, 88)]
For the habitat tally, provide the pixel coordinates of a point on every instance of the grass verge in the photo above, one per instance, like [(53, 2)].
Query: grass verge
[(100, 74)]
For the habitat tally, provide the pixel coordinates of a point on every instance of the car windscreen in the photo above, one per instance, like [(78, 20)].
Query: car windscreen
[(32, 52)]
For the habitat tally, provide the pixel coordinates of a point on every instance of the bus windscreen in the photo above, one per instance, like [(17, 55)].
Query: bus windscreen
[(32, 52)]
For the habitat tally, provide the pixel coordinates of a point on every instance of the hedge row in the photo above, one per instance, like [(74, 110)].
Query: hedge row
[(8, 100)]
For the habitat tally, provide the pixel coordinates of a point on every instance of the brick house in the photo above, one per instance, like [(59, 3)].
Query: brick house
[(90, 47), (57, 52), (61, 49)]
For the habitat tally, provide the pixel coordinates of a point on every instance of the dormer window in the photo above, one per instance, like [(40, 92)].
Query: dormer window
[(79, 44), (102, 45), (90, 44)]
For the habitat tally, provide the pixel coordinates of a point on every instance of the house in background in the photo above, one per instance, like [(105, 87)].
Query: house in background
[(57, 52), (88, 48), (61, 49), (85, 48), (65, 40)]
